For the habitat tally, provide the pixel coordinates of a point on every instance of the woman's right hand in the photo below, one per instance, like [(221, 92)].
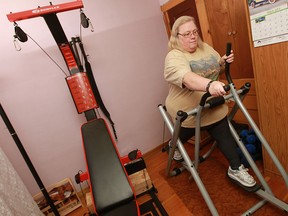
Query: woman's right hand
[(217, 89)]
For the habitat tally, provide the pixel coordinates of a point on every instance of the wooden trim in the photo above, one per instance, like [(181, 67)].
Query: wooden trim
[(170, 4), (167, 25), (203, 21)]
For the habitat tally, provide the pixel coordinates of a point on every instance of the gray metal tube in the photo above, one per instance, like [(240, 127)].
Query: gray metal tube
[(260, 136)]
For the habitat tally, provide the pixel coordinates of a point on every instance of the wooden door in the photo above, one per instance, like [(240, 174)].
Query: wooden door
[(240, 34), (219, 23), (181, 8), (228, 24)]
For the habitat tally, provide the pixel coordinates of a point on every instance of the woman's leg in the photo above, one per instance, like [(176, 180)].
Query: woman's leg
[(186, 134), (220, 131)]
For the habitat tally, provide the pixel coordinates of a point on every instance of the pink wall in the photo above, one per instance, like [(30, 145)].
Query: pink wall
[(126, 50)]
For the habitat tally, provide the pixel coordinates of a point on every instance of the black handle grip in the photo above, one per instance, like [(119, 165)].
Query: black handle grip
[(228, 49), (207, 94), (226, 88), (227, 65)]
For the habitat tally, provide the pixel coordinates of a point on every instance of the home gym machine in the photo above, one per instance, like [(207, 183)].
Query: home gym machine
[(263, 189), (111, 189)]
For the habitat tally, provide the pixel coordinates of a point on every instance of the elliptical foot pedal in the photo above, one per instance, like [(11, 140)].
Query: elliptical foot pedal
[(248, 189), (167, 150), (179, 161)]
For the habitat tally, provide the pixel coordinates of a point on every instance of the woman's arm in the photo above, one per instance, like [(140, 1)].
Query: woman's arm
[(195, 82)]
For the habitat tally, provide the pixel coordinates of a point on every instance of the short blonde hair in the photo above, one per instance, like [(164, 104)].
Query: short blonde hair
[(174, 39)]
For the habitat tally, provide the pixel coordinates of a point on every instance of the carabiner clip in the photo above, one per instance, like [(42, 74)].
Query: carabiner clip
[(92, 28), (16, 44)]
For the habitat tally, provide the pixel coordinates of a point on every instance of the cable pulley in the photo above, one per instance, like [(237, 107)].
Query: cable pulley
[(19, 33)]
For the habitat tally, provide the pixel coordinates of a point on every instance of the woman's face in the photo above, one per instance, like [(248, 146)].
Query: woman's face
[(188, 36)]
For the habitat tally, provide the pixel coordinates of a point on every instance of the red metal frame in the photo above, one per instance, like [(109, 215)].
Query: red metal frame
[(40, 11), (68, 56), (84, 176), (81, 92)]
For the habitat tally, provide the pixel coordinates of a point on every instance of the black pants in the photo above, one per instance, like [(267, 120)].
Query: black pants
[(220, 132)]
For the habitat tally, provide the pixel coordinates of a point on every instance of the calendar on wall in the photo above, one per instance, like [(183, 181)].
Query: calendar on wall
[(269, 21)]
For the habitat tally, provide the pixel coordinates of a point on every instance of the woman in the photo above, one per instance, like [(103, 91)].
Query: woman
[(192, 68)]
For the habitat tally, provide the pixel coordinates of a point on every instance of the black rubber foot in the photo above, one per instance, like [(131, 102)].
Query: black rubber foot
[(177, 171), (166, 149)]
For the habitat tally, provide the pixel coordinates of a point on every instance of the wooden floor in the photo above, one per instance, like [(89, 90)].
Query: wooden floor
[(156, 161)]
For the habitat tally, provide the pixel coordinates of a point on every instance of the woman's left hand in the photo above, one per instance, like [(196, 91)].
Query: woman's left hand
[(228, 59)]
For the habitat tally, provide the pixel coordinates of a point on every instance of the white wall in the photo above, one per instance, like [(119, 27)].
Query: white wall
[(161, 2), (126, 51)]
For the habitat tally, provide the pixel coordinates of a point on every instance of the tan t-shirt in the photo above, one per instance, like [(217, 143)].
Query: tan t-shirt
[(204, 62)]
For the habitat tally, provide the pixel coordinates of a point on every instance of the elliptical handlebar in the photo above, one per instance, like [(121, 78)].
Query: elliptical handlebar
[(227, 74), (207, 95), (227, 65)]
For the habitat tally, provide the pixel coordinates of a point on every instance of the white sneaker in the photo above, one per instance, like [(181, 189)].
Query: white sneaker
[(177, 155), (242, 176)]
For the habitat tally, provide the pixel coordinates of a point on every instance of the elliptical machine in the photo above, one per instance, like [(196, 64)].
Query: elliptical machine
[(262, 189)]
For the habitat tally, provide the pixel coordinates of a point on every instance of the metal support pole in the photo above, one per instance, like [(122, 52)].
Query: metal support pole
[(27, 160)]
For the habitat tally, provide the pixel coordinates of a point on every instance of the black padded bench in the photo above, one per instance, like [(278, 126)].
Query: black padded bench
[(112, 194)]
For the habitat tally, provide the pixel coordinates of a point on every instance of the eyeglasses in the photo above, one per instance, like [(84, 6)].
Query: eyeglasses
[(189, 33)]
